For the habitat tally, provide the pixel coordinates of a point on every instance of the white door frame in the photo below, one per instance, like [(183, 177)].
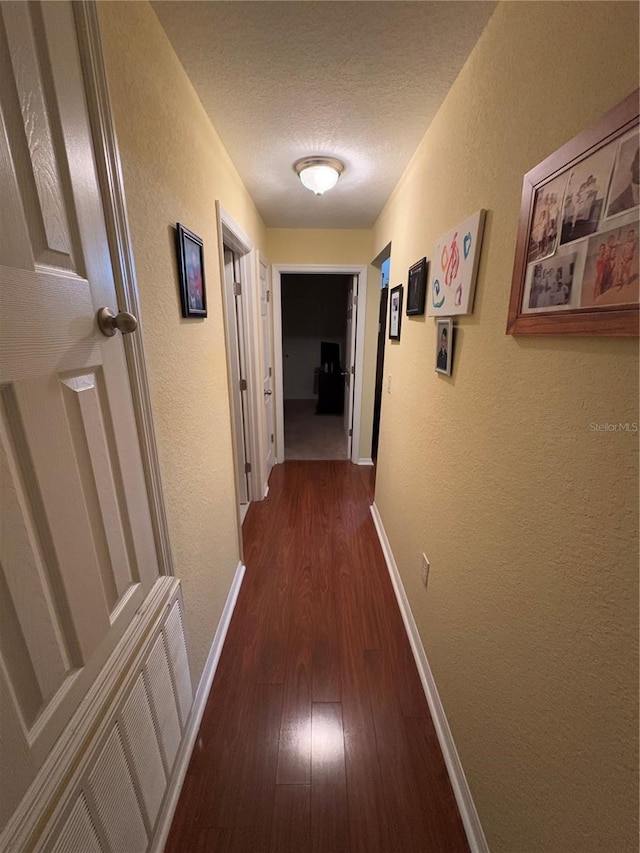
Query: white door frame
[(349, 359), (230, 234), (234, 308), (265, 435), (327, 269), (109, 169)]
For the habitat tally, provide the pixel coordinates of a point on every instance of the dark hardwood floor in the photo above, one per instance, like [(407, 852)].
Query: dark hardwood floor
[(316, 735)]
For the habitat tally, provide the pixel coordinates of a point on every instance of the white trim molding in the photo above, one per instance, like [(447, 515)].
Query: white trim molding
[(361, 310), (461, 790), (231, 235), (365, 461), (183, 757)]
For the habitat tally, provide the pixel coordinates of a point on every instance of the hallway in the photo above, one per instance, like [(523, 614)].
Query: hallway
[(316, 735)]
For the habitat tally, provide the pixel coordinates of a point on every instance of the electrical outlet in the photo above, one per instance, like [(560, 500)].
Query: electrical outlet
[(389, 384), (426, 565)]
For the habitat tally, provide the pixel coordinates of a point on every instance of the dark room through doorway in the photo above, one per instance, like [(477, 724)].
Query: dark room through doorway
[(316, 320)]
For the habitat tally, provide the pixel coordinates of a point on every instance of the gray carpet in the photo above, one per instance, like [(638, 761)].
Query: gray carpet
[(311, 436)]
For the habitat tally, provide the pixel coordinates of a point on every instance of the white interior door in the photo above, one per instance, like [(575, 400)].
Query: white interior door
[(267, 366), (77, 553), (350, 361), (238, 365)]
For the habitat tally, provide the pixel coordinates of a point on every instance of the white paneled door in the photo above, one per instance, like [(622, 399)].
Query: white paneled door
[(77, 553)]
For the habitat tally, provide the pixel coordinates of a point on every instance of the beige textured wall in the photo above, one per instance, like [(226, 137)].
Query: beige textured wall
[(529, 518), (318, 246), (334, 246), (175, 168)]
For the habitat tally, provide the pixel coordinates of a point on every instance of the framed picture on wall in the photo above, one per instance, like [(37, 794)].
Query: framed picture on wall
[(454, 268), (576, 265), (395, 312), (444, 345), (190, 252), (417, 287)]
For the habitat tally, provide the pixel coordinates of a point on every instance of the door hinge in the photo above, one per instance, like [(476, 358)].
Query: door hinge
[(353, 369), (243, 384), (237, 288), (350, 433), (247, 467)]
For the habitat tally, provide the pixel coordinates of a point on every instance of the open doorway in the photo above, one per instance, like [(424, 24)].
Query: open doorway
[(354, 350), (317, 337)]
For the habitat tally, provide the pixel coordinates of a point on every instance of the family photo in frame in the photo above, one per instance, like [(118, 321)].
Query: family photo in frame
[(444, 345), (395, 312), (576, 267)]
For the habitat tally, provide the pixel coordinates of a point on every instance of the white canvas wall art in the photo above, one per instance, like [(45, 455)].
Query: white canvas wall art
[(455, 267)]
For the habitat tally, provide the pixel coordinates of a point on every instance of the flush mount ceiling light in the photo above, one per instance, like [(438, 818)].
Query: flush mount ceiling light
[(319, 174)]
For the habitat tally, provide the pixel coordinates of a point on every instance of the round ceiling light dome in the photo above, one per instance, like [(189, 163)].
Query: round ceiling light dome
[(319, 174)]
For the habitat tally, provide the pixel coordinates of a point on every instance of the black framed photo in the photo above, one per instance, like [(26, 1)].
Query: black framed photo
[(444, 345), (190, 252), (417, 287), (395, 312)]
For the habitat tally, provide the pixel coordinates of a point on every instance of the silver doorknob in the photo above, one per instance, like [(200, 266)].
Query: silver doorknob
[(268, 393), (110, 323)]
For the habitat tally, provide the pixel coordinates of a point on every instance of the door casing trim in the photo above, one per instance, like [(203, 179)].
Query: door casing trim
[(231, 234)]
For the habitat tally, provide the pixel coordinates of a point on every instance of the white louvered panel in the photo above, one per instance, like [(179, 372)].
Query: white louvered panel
[(78, 834), (177, 651), (163, 704), (140, 735), (115, 799)]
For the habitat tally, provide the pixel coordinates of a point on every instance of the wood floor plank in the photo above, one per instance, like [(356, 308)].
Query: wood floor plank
[(369, 831), (316, 643), (329, 804), (291, 828), (413, 827), (441, 811), (294, 754), (325, 660)]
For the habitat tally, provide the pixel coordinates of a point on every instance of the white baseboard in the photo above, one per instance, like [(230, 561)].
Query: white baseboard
[(197, 710), (365, 461), (466, 806)]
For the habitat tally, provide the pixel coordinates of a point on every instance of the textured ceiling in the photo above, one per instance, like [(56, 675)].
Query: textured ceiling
[(356, 80)]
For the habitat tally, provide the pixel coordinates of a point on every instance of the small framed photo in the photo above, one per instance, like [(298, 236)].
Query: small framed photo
[(417, 287), (190, 252), (444, 345), (395, 312)]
